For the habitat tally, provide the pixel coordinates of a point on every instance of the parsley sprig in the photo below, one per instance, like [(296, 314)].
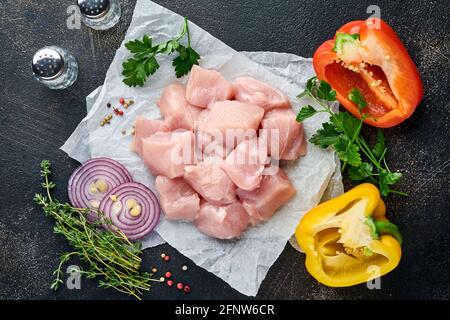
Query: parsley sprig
[(343, 133), (143, 63), (107, 255)]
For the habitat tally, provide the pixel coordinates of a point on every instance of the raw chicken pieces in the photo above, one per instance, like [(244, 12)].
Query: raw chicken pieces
[(175, 108), (291, 138), (224, 222), (145, 128), (233, 121), (245, 164), (167, 153), (178, 200), (211, 182), (206, 87), (211, 154), (250, 90), (275, 191)]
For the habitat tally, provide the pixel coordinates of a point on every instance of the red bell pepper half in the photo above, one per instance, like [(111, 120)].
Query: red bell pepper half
[(368, 55)]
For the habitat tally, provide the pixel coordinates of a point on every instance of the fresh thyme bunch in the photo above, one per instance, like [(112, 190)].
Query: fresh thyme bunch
[(108, 255)]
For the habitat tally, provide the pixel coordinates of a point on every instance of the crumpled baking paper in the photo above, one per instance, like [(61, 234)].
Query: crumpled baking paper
[(243, 263)]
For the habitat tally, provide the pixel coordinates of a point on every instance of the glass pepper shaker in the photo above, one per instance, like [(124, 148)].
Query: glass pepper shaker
[(99, 14), (55, 67)]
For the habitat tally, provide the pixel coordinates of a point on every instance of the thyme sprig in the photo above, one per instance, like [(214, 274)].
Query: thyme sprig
[(108, 255)]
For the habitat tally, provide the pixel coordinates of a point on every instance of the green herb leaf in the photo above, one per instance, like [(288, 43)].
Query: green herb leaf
[(326, 136), (309, 88), (357, 97), (387, 179), (347, 151), (305, 113), (143, 63), (185, 61), (379, 147), (325, 92), (362, 172), (350, 124)]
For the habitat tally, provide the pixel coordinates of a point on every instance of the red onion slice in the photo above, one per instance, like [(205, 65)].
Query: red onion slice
[(133, 208), (89, 184)]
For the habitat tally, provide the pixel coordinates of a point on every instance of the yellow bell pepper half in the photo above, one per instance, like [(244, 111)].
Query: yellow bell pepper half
[(347, 238)]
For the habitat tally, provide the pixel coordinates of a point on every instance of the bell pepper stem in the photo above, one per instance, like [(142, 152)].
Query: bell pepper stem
[(389, 228)]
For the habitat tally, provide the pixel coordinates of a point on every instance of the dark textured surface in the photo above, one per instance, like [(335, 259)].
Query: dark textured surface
[(34, 123)]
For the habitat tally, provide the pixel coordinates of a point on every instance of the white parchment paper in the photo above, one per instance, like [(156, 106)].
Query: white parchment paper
[(243, 263)]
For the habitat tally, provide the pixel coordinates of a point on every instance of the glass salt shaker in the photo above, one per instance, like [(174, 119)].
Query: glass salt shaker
[(99, 14), (55, 67)]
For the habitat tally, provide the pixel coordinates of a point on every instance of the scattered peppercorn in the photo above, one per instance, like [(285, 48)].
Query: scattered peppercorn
[(163, 255), (184, 268), (154, 270), (168, 274), (167, 258), (108, 104), (130, 102), (126, 105), (187, 289), (169, 283), (122, 101), (180, 286), (106, 120), (118, 112), (124, 132)]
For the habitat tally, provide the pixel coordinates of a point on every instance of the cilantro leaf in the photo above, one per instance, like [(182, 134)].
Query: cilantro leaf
[(379, 147), (326, 136), (325, 92), (360, 173), (184, 62), (305, 113)]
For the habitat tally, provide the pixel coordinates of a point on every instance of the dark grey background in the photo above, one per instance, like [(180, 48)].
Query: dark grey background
[(35, 122)]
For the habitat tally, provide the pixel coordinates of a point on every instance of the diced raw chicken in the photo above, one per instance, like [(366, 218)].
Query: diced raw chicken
[(283, 135), (211, 182), (245, 164), (144, 128), (250, 90), (205, 87), (167, 153), (178, 200), (262, 203), (224, 222), (175, 109), (233, 121)]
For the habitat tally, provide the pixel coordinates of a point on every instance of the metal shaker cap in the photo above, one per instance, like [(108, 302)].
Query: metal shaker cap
[(48, 64), (93, 9)]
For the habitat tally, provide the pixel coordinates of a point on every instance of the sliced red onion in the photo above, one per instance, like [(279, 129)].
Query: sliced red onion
[(133, 208), (89, 184)]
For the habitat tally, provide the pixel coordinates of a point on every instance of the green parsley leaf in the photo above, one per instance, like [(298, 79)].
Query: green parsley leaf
[(362, 172), (309, 88), (348, 152), (350, 124), (357, 97), (305, 113), (379, 147), (184, 62), (325, 92), (326, 136), (387, 179), (143, 63)]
